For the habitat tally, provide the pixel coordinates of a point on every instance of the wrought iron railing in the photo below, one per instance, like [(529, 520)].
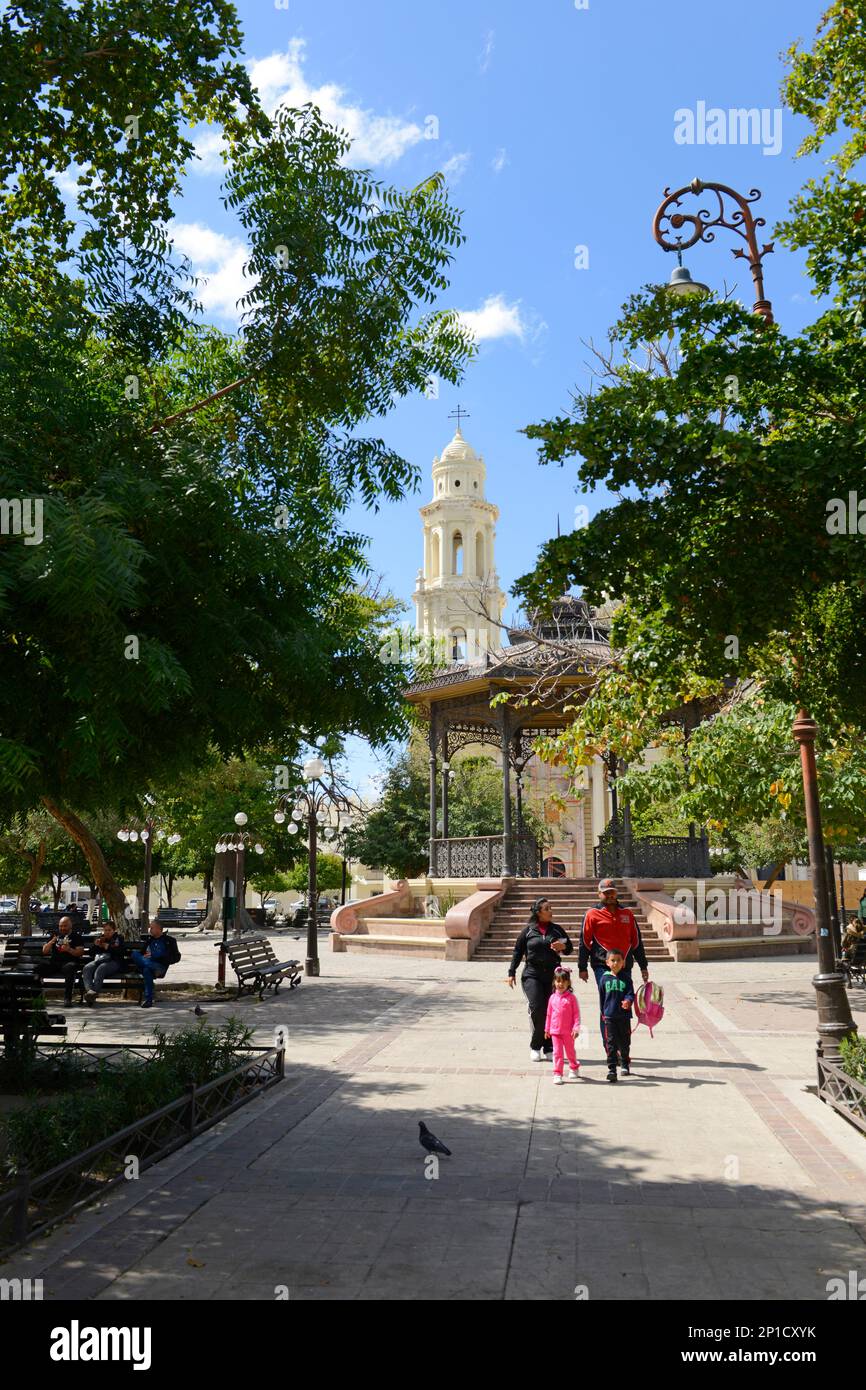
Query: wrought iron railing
[(483, 856), (842, 1091), (650, 856), (35, 1203)]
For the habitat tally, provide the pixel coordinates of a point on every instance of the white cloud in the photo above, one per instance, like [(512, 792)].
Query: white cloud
[(487, 51), (281, 81), (218, 259), (497, 319), (455, 167), (499, 161)]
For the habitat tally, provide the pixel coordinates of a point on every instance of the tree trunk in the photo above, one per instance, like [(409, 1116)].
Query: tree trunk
[(56, 889), (36, 862), (225, 866), (774, 875), (168, 880), (112, 893)]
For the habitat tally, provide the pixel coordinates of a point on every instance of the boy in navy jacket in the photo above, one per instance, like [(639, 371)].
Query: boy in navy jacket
[(617, 997)]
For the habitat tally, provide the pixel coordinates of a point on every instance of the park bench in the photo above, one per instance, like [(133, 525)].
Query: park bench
[(180, 916), (258, 969), (853, 963), (23, 1018), (25, 953)]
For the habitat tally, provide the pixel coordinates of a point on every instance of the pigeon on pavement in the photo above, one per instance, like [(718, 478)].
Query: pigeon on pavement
[(198, 1011), (429, 1141)]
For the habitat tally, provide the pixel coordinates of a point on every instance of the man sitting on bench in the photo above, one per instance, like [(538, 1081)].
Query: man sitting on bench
[(62, 956), (107, 962), (161, 952)]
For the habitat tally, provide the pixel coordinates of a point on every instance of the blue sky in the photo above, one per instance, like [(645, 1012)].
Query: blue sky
[(556, 129)]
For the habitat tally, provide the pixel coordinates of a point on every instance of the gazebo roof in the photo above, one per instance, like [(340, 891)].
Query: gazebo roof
[(555, 657)]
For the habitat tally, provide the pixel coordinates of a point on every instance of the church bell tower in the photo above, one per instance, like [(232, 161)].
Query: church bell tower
[(457, 595)]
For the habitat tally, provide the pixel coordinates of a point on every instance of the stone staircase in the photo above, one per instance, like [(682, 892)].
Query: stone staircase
[(571, 897)]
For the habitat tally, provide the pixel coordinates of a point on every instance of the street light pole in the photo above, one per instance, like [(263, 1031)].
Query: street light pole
[(311, 964), (834, 1011)]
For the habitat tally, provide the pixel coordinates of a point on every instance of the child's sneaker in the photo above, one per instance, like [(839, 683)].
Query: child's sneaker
[(626, 1068), (574, 1073), (558, 1081), (611, 1076)]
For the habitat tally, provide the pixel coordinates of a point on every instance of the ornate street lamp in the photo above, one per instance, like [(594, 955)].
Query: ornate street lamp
[(145, 833), (236, 843), (834, 1010), (740, 220), (314, 801)]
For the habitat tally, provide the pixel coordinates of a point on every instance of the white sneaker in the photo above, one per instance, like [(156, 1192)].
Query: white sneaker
[(574, 1073), (535, 1054), (558, 1081)]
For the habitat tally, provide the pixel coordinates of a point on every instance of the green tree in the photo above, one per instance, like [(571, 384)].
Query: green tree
[(329, 874), (171, 608)]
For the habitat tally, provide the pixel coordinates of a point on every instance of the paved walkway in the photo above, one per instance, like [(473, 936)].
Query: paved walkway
[(712, 1173)]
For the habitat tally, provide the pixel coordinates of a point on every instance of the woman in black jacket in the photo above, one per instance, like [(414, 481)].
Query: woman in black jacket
[(541, 943)]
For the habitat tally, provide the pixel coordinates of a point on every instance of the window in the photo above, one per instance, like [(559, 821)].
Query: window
[(457, 554), (458, 644)]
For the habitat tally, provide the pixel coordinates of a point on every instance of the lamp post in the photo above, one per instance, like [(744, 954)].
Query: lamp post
[(312, 801), (145, 833), (834, 1011), (235, 842)]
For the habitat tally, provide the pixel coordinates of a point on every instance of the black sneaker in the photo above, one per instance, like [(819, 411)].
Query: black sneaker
[(626, 1069), (611, 1076), (146, 1004)]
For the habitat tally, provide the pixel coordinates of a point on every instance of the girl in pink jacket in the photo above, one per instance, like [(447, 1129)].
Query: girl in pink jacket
[(563, 1025)]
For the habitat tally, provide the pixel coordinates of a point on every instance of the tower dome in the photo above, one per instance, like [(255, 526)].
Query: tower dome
[(459, 472)]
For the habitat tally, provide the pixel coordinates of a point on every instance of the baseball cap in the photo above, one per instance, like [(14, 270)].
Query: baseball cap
[(605, 885)]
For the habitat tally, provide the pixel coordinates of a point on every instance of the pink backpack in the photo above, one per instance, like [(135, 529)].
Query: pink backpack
[(649, 1005)]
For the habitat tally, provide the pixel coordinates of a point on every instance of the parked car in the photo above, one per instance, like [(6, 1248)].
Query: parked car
[(195, 904), (8, 904)]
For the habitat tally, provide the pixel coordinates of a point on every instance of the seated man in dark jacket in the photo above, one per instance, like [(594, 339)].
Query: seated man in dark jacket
[(62, 956), (161, 952)]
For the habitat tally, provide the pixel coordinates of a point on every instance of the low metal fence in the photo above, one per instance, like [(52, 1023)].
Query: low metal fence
[(36, 1203), (843, 1092)]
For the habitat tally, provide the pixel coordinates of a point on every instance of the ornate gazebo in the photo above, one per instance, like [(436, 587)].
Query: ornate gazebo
[(541, 673)]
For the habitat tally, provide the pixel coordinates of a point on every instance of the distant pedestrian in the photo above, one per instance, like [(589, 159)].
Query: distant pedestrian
[(540, 944), (563, 1025), (605, 927), (617, 997)]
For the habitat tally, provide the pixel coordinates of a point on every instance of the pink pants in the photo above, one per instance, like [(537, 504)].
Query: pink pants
[(563, 1042)]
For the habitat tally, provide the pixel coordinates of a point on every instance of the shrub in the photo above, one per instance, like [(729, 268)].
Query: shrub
[(854, 1057), (42, 1136)]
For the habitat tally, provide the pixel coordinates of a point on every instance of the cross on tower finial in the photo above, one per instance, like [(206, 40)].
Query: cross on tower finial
[(459, 414)]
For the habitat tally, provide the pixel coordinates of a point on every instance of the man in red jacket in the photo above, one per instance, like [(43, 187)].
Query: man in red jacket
[(607, 927)]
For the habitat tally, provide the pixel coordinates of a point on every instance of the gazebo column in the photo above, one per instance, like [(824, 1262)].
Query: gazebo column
[(433, 738), (507, 834), (445, 780)]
